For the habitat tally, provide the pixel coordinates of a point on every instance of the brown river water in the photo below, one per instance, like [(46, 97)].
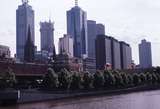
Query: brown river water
[(141, 100)]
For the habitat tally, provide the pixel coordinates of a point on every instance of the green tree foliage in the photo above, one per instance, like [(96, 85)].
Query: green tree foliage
[(130, 80), (158, 77), (98, 81), (75, 81), (143, 78), (87, 80), (7, 79), (64, 78), (154, 78), (136, 79), (107, 79), (119, 79), (51, 79), (149, 78)]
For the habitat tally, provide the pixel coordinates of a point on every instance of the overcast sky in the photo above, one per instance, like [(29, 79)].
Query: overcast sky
[(127, 20)]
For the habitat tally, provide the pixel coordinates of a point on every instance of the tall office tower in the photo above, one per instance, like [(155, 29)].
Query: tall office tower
[(77, 29), (93, 30), (100, 29), (116, 58), (66, 45), (24, 19), (47, 36), (145, 54), (103, 51), (91, 27), (107, 52), (126, 55)]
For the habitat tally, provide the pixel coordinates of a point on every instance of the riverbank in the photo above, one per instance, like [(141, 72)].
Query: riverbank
[(30, 96)]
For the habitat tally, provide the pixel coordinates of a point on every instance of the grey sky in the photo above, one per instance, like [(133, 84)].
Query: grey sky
[(128, 20)]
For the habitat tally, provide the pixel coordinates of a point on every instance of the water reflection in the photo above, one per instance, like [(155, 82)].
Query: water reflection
[(143, 100)]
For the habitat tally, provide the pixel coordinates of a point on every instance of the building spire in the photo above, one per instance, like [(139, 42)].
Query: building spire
[(76, 2), (29, 34), (29, 48), (49, 17), (25, 1)]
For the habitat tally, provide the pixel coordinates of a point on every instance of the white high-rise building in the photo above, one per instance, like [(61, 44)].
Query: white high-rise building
[(47, 36), (145, 54), (77, 29), (24, 20), (126, 55), (116, 57), (66, 45)]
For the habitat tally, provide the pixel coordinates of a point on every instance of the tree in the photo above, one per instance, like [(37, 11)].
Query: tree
[(136, 79), (7, 79), (51, 79), (98, 81), (64, 78), (158, 77), (109, 79), (75, 81), (125, 79), (130, 80), (149, 78), (143, 78), (87, 80), (154, 78), (119, 80)]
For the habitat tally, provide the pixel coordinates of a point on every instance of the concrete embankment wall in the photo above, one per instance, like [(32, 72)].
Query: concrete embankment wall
[(42, 96)]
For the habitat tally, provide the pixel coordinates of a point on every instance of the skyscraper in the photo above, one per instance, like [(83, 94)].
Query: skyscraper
[(47, 36), (145, 54), (126, 55), (66, 45), (93, 30), (103, 52), (100, 29), (107, 52), (24, 19), (77, 29), (115, 50), (91, 27)]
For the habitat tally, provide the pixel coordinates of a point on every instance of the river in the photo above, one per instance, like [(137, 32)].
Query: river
[(141, 100)]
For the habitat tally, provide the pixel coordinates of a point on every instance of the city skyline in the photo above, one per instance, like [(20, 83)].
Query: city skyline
[(132, 31)]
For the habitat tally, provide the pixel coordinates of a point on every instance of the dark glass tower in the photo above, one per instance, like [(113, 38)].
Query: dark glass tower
[(77, 29), (24, 19)]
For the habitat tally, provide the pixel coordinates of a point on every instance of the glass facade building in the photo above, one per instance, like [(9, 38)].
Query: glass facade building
[(77, 29), (24, 19)]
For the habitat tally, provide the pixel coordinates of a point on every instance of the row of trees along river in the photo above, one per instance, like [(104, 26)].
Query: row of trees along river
[(72, 80)]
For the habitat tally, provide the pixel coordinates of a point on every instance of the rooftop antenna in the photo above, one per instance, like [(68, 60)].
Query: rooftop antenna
[(49, 16), (25, 1), (76, 2)]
